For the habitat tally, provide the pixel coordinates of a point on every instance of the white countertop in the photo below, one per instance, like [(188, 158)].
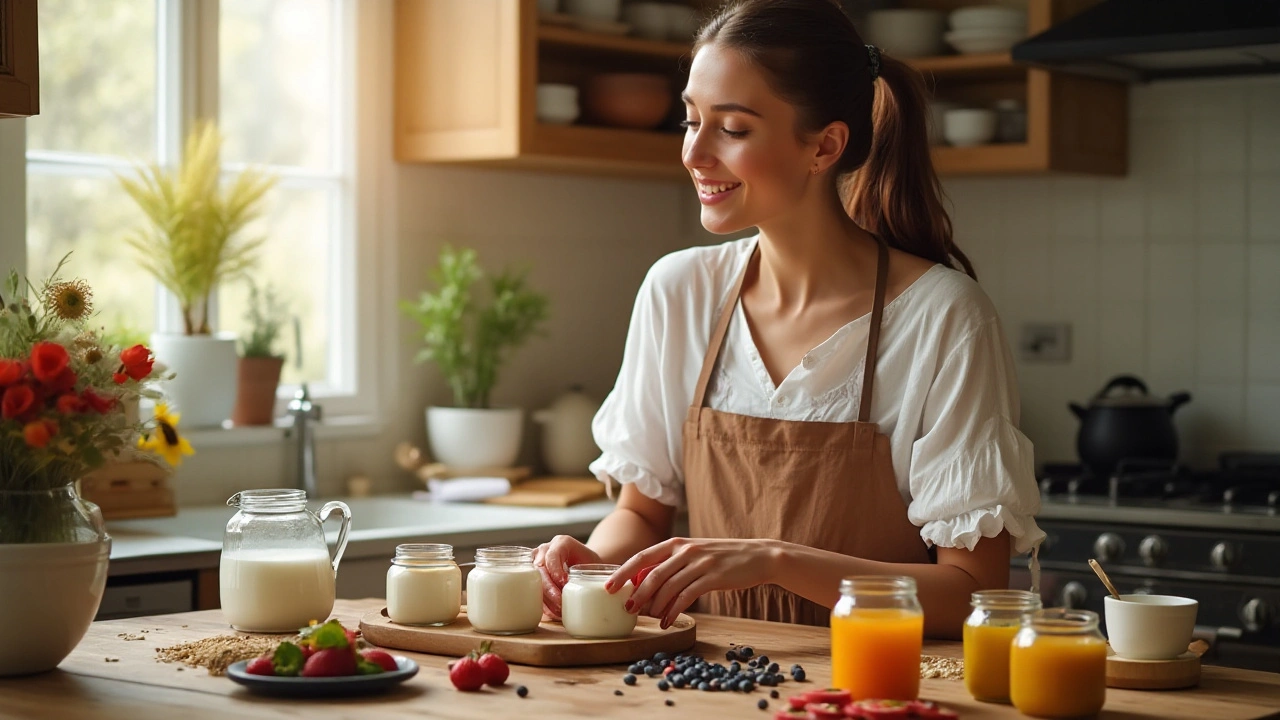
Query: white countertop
[(192, 539)]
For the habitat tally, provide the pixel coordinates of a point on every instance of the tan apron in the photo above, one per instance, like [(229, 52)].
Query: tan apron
[(826, 485)]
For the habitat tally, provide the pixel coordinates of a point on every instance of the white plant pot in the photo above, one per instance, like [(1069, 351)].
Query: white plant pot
[(470, 438), (204, 385), (49, 595)]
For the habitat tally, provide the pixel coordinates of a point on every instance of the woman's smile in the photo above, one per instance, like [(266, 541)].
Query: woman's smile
[(711, 193)]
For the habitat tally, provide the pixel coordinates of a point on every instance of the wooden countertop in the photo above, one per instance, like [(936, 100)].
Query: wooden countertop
[(136, 686)]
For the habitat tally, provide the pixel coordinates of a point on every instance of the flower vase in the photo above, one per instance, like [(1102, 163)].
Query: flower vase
[(203, 388), (54, 552)]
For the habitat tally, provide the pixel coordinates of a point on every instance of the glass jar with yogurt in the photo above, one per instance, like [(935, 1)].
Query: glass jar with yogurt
[(588, 611), (504, 592), (424, 585)]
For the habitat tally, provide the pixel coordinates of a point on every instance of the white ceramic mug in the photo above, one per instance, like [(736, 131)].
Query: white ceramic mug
[(1150, 627)]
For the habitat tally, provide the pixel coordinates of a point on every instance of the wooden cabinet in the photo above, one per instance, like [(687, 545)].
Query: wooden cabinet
[(19, 60), (467, 73)]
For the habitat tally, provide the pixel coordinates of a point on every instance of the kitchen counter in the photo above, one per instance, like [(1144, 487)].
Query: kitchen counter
[(134, 686)]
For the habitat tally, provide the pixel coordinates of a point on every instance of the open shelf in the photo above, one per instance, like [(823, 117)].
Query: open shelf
[(990, 159), (984, 66), (566, 37)]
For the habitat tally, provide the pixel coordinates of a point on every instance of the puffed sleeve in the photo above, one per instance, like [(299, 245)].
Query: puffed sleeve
[(972, 471)]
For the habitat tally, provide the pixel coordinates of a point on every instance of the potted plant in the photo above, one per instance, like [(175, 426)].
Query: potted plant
[(194, 241), (62, 396), (470, 324), (258, 372)]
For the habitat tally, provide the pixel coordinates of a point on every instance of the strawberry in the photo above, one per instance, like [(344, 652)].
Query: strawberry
[(640, 576), (467, 675), (824, 711), (261, 666), (330, 662), (495, 668), (381, 658), (833, 696)]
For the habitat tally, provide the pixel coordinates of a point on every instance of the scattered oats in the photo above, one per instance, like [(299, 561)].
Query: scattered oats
[(144, 631), (184, 626), (934, 667), (216, 653), (130, 636), (110, 659)]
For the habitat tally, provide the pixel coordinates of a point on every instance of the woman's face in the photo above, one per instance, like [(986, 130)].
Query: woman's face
[(741, 146)]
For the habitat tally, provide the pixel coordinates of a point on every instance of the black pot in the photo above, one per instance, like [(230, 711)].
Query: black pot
[(1127, 426)]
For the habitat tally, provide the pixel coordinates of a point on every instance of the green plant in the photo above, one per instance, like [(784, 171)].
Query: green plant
[(468, 340), (193, 241), (264, 317)]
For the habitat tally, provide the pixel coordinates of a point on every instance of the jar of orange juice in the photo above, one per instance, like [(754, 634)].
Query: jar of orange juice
[(997, 615), (1058, 665), (877, 630)]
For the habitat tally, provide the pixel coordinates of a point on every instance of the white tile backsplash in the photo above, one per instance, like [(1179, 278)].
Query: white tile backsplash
[(1171, 273)]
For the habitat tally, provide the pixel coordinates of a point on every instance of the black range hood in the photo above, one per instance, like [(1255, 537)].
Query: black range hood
[(1143, 40)]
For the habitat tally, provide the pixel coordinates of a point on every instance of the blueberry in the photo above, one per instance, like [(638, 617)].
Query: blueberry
[(635, 668), (677, 681), (663, 685), (763, 704), (798, 675), (522, 691), (753, 663), (665, 663), (704, 687), (763, 660), (629, 679), (747, 686), (715, 684), (746, 652), (734, 667), (618, 693), (661, 656), (796, 667), (773, 667), (671, 703), (731, 655), (774, 694), (653, 671)]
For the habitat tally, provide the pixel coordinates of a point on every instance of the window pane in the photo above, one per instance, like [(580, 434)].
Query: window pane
[(97, 78), (92, 216), (277, 81), (295, 259)]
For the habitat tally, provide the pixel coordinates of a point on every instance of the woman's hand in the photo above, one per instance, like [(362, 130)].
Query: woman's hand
[(553, 559), (686, 569)]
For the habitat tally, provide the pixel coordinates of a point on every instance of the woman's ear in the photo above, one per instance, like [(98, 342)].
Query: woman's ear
[(831, 142)]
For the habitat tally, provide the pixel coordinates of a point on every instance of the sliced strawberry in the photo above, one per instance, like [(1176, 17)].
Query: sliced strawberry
[(824, 711), (853, 711), (829, 696), (381, 658), (261, 666), (929, 710), (797, 702), (330, 662), (790, 714), (883, 709)]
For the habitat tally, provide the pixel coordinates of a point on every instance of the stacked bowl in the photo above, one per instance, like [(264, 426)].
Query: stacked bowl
[(986, 29)]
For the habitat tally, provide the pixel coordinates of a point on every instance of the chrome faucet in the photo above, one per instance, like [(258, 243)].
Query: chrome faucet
[(304, 413)]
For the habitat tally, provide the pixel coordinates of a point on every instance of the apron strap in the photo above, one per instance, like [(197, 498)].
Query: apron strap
[(717, 337), (873, 333)]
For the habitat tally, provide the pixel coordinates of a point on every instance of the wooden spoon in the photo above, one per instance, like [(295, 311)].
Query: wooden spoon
[(1102, 575)]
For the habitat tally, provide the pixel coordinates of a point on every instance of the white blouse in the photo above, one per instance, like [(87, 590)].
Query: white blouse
[(946, 394)]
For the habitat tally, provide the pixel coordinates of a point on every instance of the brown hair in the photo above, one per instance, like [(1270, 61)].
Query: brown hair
[(813, 58)]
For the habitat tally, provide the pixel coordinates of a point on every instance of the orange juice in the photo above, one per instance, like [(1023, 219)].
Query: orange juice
[(875, 653), (1058, 676), (986, 661)]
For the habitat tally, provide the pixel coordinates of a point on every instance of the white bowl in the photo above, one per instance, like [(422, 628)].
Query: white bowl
[(650, 19), (989, 17), (966, 127), (607, 10), (557, 103), (969, 42), (682, 22), (906, 32), (1150, 627), (937, 119)]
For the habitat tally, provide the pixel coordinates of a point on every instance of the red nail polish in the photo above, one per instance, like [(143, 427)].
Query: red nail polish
[(629, 606)]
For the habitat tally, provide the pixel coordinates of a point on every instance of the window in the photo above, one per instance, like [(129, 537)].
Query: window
[(121, 83)]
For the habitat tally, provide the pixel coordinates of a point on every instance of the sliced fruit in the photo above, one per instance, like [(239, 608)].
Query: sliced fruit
[(929, 710), (832, 696), (824, 711)]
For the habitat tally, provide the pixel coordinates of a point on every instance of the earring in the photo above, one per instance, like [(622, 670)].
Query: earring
[(814, 170)]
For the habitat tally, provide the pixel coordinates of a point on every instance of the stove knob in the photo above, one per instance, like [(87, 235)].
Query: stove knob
[(1223, 556), (1153, 550), (1256, 615), (1108, 547), (1074, 595)]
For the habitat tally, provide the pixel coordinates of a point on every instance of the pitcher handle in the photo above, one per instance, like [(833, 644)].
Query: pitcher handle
[(342, 508)]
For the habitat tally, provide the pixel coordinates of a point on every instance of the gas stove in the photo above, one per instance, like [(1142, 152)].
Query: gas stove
[(1212, 534)]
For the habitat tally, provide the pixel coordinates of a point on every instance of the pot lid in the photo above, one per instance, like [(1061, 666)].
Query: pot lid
[(1130, 399)]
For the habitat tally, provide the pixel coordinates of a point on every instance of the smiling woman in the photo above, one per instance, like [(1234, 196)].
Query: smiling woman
[(831, 397)]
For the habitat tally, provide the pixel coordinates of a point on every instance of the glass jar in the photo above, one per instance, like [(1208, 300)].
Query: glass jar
[(877, 631), (588, 611), (276, 574), (1058, 665), (424, 585), (988, 632), (504, 592)]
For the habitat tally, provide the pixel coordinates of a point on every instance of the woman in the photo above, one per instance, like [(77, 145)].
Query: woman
[(828, 397)]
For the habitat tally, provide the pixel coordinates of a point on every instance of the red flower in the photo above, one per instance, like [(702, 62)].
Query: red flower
[(119, 378), (10, 372), (62, 382), (135, 362), (18, 402), (70, 404), (48, 360), (98, 403), (38, 432)]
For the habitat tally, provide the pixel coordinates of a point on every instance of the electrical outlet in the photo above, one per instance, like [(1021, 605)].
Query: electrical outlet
[(1045, 342)]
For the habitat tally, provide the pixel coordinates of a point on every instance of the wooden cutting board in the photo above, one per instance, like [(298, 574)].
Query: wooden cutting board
[(1181, 672), (552, 492), (548, 646)]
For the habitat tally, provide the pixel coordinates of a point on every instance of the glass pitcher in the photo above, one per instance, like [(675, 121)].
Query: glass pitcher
[(276, 574)]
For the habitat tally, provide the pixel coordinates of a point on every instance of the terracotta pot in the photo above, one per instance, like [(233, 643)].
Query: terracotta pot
[(256, 383), (630, 100)]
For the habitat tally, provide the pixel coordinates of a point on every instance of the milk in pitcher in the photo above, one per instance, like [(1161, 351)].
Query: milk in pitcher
[(268, 590)]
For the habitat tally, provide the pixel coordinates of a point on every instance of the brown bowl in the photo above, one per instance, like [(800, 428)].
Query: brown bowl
[(630, 100)]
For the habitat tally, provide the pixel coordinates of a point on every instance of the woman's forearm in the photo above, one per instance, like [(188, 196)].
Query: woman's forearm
[(623, 533)]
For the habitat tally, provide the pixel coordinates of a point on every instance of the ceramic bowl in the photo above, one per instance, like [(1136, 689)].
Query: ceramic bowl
[(938, 119), (607, 10), (966, 127), (650, 19), (630, 100), (989, 17), (1150, 627), (969, 42), (906, 32), (557, 103)]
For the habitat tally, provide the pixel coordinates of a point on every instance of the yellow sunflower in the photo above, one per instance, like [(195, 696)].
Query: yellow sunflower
[(69, 300), (165, 440)]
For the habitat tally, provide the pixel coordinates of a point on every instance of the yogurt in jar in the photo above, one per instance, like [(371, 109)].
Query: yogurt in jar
[(588, 611), (504, 592), (424, 585)]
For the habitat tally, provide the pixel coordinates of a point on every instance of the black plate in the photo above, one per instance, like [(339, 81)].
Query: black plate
[(307, 687)]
